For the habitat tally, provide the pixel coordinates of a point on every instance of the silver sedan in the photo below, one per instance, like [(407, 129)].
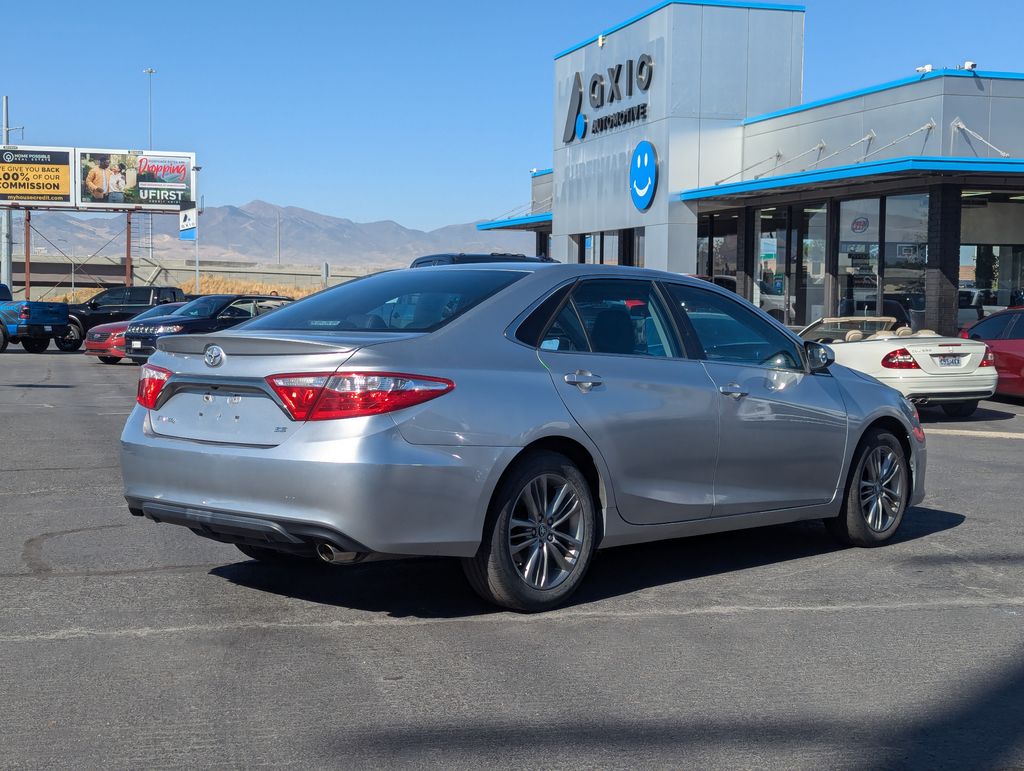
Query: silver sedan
[(517, 417)]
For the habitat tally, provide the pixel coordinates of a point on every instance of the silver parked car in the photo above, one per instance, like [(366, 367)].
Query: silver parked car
[(518, 417)]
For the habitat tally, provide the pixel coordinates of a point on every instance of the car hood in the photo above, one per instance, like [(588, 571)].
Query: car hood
[(111, 328)]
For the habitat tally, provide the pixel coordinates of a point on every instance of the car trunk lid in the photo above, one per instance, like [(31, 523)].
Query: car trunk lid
[(224, 397), (946, 356)]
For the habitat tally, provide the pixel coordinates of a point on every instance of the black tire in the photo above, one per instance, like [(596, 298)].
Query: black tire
[(35, 345), (960, 409), (856, 526), (3, 337), (73, 341), (110, 359), (272, 556), (565, 549)]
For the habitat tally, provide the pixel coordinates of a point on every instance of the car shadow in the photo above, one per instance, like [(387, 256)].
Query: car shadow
[(935, 415), (436, 588)]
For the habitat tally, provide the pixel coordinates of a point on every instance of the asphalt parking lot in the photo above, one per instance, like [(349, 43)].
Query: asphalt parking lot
[(129, 644)]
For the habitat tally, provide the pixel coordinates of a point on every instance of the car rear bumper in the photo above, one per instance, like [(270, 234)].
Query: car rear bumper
[(42, 331), (375, 490), (937, 389)]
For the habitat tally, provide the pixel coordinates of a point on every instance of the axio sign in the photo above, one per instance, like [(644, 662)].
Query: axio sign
[(607, 91)]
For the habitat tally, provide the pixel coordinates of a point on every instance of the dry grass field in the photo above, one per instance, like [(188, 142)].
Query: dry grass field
[(207, 285)]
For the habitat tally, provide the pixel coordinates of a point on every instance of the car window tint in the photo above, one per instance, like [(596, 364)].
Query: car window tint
[(137, 295), (110, 297), (1016, 332), (990, 329), (565, 333), (396, 301), (239, 309), (533, 326), (624, 316), (729, 332)]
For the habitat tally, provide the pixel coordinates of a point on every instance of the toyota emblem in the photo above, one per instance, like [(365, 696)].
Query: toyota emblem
[(214, 356)]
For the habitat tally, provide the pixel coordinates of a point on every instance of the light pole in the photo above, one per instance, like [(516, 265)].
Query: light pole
[(149, 72), (197, 169)]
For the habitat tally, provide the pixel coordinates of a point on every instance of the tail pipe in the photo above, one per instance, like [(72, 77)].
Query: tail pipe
[(332, 555)]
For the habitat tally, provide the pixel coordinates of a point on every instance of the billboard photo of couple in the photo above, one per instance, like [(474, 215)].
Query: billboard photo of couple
[(115, 179)]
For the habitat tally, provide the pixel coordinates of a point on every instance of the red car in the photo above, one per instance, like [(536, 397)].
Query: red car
[(1004, 333), (107, 340)]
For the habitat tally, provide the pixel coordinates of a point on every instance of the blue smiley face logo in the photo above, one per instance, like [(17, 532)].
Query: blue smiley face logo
[(643, 175)]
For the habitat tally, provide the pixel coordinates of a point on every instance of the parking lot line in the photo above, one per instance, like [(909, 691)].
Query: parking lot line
[(977, 434)]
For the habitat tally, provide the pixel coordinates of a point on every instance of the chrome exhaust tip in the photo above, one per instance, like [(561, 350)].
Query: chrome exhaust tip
[(331, 555)]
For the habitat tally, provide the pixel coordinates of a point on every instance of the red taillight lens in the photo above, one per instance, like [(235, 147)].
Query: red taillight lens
[(25, 312), (322, 396), (989, 359), (964, 335), (900, 359), (151, 383)]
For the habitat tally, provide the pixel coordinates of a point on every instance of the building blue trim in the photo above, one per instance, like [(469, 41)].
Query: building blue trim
[(541, 172), (713, 3), (869, 169), (885, 87), (530, 219)]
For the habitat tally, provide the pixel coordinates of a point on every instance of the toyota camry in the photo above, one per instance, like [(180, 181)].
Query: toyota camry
[(517, 417)]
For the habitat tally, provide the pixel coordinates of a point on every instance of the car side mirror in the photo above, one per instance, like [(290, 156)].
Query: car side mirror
[(819, 357), (92, 305)]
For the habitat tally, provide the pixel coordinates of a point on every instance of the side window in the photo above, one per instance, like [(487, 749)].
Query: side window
[(991, 329), (533, 326), (239, 309), (167, 296), (137, 295), (1017, 330), (565, 333), (728, 332), (110, 297), (624, 316)]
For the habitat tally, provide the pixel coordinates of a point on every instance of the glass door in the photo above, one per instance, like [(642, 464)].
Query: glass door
[(858, 257)]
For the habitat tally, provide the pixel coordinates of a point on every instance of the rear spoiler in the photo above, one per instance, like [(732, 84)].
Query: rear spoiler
[(276, 343)]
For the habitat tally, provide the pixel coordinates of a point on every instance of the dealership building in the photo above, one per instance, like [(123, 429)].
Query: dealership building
[(682, 143)]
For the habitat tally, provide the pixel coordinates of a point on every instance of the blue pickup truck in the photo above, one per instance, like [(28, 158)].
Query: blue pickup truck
[(33, 324)]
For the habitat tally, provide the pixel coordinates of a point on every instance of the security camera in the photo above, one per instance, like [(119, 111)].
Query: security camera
[(924, 68), (969, 65)]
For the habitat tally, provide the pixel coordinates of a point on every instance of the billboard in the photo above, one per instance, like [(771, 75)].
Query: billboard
[(36, 175), (150, 180)]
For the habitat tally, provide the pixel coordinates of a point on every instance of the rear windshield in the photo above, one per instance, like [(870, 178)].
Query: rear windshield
[(399, 301)]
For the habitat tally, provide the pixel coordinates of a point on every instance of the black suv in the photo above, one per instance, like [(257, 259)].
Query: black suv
[(119, 303), (451, 258)]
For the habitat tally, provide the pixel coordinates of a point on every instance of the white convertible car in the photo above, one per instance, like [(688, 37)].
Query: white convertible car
[(923, 366)]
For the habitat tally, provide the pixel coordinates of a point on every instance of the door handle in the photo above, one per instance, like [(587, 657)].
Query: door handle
[(583, 380), (732, 390)]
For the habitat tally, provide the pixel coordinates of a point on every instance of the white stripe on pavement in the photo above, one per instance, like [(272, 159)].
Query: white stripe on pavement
[(978, 434)]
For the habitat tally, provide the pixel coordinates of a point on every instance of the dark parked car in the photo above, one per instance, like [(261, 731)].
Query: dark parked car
[(107, 340), (118, 303), (462, 258), (210, 313), (1004, 334)]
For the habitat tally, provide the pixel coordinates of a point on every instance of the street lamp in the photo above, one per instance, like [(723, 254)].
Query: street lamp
[(149, 72), (195, 188)]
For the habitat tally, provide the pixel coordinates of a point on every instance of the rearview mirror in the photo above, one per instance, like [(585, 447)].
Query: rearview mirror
[(819, 357)]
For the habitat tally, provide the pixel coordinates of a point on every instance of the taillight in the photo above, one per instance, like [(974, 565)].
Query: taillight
[(964, 334), (152, 380), (329, 396), (989, 359), (25, 312), (900, 359)]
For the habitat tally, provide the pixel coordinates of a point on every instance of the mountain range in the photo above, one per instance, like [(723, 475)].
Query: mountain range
[(249, 233)]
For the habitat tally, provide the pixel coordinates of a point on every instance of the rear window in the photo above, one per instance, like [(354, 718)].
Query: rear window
[(399, 301)]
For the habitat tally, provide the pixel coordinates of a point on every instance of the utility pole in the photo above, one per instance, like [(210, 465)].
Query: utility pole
[(6, 266), (149, 72)]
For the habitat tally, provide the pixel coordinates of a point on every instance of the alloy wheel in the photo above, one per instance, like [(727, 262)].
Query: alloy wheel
[(546, 531), (882, 484)]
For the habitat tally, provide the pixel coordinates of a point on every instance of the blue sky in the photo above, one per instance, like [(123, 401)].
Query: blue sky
[(427, 113)]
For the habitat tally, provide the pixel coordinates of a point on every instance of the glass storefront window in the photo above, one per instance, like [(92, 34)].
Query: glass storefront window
[(906, 255), (810, 292), (703, 248), (770, 240), (991, 252), (858, 257), (725, 245)]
